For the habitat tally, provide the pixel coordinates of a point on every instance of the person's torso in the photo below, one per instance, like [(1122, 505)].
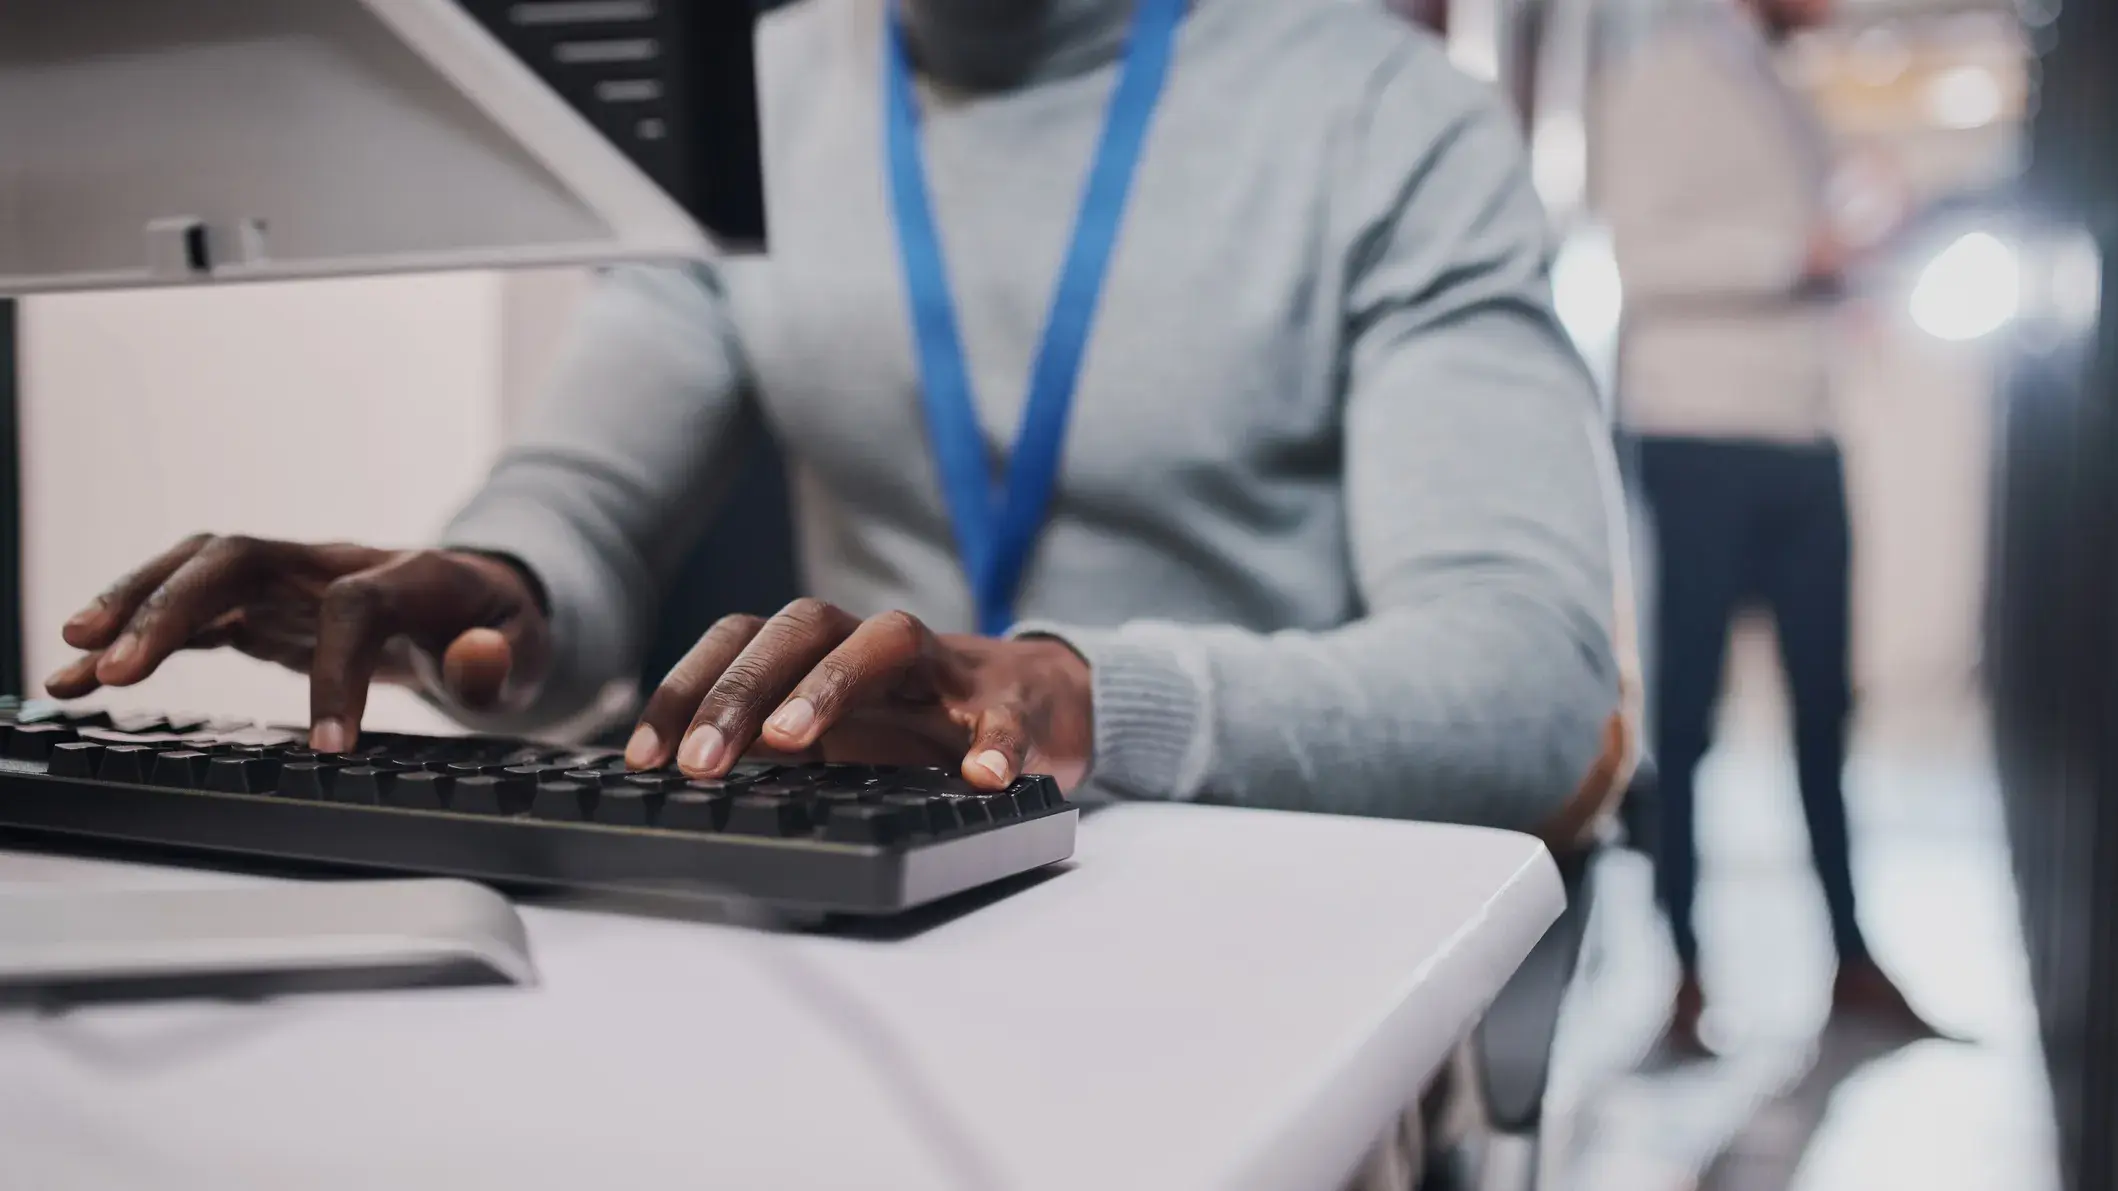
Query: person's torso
[(1201, 478), (1746, 369)]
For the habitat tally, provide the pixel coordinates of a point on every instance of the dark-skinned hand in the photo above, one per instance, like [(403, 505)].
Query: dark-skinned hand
[(812, 681), (815, 681), (346, 615)]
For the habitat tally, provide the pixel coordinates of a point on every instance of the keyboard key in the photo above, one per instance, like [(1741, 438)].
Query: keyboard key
[(35, 742), (627, 805), (595, 778), (856, 775), (242, 775), (999, 807), (128, 763), (423, 790), (565, 801), (310, 780), (1036, 792), (491, 794), (929, 780), (774, 818), (696, 807), (179, 769), (470, 768), (657, 783), (362, 785), (138, 722), (972, 811), (922, 813), (76, 759), (864, 824)]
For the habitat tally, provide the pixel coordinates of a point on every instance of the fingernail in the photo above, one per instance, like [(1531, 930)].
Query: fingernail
[(702, 748), (793, 720), (994, 762), (645, 747), (123, 651), (328, 735), (80, 619)]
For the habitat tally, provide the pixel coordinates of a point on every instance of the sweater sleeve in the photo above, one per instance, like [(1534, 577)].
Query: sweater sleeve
[(610, 478), (1475, 687)]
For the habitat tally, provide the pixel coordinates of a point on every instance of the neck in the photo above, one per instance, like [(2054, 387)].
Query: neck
[(994, 45)]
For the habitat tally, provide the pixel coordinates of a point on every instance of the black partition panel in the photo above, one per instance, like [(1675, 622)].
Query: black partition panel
[(2054, 615), (10, 511), (671, 83)]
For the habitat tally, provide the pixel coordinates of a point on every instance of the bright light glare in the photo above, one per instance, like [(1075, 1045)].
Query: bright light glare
[(1587, 293), (1965, 97), (1969, 290)]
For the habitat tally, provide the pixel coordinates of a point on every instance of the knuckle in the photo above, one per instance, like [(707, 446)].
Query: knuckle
[(153, 609), (740, 624), (831, 678), (810, 613), (899, 624), (353, 599), (736, 694)]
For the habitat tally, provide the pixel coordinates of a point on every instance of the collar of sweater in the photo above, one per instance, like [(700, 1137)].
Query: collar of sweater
[(997, 45)]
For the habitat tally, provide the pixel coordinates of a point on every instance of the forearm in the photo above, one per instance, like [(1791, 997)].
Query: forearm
[(610, 478), (1488, 709)]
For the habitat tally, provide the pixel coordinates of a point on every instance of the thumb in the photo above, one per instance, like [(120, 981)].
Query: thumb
[(999, 748), (475, 667)]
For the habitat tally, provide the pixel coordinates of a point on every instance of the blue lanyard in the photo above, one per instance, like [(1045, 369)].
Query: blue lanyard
[(996, 522)]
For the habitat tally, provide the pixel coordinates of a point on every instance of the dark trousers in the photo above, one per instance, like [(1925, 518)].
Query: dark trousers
[(1738, 522)]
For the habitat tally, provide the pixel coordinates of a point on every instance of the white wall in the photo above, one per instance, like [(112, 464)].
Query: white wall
[(363, 410)]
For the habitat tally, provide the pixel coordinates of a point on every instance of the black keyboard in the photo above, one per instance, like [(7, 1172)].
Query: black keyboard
[(854, 839)]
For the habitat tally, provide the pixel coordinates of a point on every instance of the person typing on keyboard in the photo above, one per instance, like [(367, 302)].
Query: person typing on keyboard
[(1174, 402)]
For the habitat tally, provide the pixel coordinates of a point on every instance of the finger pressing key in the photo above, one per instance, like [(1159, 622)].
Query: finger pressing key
[(1000, 749), (669, 709), (873, 658), (757, 681)]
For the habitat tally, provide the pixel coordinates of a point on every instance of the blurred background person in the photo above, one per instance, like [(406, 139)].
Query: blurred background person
[(1715, 182)]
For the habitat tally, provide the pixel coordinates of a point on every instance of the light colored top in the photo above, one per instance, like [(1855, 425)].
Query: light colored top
[(1207, 998), (1328, 527), (1713, 174)]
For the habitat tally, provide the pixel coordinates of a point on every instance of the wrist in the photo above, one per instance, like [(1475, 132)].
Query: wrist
[(1066, 682), (508, 573), (1151, 706)]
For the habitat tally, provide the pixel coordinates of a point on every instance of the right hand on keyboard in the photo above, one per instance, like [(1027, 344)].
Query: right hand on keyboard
[(345, 615)]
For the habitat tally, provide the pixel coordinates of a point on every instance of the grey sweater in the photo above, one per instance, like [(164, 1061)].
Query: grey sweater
[(1328, 528)]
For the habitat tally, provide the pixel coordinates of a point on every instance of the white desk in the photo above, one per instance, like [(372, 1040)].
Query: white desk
[(1207, 998)]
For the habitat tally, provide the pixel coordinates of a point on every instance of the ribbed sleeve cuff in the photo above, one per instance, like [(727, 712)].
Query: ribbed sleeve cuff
[(1152, 705)]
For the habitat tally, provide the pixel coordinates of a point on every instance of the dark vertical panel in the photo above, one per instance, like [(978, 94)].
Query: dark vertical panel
[(10, 512), (697, 135), (2054, 616)]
